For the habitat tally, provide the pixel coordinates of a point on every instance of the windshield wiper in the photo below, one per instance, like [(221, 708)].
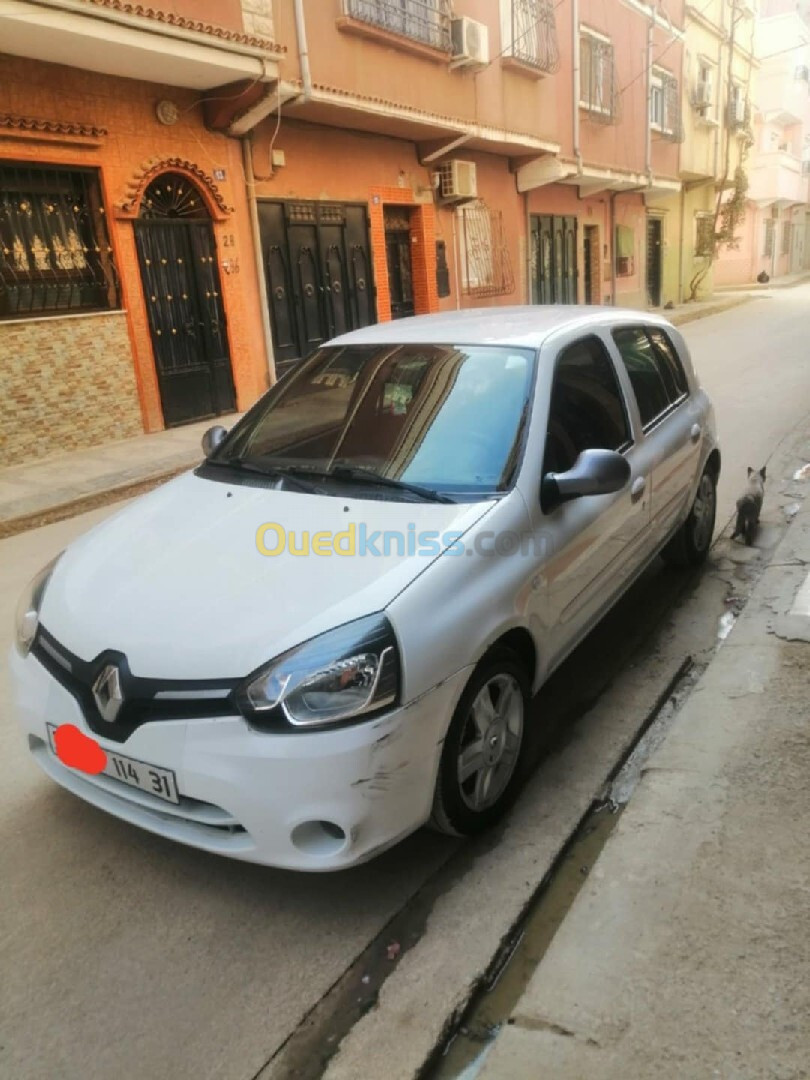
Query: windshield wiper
[(270, 472), (359, 473)]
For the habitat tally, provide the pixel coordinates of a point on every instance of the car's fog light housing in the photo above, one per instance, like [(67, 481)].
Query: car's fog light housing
[(28, 607), (341, 676)]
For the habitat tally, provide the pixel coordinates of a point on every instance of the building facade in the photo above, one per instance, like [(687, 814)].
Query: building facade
[(774, 238), (191, 206), (129, 296)]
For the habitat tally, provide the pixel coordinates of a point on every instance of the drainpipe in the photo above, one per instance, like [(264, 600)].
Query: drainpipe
[(612, 216), (575, 82), (648, 140), (264, 302), (681, 245), (303, 50)]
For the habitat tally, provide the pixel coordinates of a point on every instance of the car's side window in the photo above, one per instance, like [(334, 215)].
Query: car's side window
[(672, 363), (587, 408), (655, 372)]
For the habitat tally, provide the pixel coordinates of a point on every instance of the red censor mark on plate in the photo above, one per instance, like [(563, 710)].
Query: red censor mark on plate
[(77, 750)]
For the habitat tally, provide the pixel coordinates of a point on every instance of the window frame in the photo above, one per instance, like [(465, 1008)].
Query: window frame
[(668, 125), (700, 249), (67, 186), (769, 238), (561, 349), (606, 73), (653, 422)]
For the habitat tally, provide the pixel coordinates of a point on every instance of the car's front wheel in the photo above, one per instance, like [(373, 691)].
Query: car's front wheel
[(690, 544), (483, 752)]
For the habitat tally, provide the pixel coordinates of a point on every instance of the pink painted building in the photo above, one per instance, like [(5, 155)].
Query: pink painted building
[(775, 236)]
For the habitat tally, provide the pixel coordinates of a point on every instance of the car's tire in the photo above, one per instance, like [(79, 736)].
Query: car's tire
[(691, 543), (483, 756)]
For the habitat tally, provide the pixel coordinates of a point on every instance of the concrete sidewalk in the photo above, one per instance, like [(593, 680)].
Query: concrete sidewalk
[(785, 281), (62, 485), (687, 952)]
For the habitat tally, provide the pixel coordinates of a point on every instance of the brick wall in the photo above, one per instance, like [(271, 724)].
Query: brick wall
[(65, 383)]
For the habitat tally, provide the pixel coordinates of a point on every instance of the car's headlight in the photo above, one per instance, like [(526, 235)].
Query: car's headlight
[(27, 616), (346, 674)]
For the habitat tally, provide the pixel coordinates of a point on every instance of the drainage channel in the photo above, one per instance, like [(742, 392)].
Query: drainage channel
[(464, 1050)]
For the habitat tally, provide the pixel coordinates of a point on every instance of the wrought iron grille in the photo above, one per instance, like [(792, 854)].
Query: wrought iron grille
[(534, 34), (486, 265), (427, 21), (55, 253), (704, 235), (598, 93), (672, 128)]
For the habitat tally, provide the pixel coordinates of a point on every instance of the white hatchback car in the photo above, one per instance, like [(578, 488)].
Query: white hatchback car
[(330, 632)]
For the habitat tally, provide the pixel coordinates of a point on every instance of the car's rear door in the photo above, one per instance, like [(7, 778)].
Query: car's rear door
[(590, 545), (669, 420)]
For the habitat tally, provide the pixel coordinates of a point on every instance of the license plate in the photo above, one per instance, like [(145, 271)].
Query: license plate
[(161, 783)]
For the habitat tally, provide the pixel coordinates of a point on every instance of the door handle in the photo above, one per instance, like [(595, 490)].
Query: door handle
[(695, 433), (637, 490)]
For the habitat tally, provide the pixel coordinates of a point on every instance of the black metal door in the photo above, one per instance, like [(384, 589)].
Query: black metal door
[(400, 272), (554, 259), (654, 233), (318, 267), (186, 318)]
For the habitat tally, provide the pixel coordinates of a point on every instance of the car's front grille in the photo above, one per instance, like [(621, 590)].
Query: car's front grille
[(144, 700)]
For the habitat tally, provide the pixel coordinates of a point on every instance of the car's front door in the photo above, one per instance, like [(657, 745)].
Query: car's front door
[(670, 421), (587, 548)]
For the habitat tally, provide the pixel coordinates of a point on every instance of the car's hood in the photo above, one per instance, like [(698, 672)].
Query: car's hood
[(176, 582)]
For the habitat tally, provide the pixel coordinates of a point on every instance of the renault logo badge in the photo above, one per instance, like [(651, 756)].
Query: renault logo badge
[(107, 693)]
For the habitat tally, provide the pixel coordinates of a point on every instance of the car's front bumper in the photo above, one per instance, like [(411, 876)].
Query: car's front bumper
[(255, 796)]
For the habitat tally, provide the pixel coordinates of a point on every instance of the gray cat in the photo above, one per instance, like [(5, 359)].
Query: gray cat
[(749, 506)]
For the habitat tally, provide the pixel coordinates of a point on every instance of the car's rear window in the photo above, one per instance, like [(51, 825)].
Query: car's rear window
[(656, 374)]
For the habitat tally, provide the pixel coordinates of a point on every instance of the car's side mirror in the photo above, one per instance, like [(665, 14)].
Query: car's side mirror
[(212, 438), (595, 472)]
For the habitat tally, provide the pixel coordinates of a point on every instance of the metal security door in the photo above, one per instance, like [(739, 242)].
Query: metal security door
[(182, 291), (654, 261), (554, 259), (318, 269), (186, 320)]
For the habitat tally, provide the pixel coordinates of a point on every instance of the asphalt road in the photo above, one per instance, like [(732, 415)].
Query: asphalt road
[(124, 955)]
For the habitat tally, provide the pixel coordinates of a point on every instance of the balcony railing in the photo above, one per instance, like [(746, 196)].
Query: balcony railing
[(532, 34), (425, 21)]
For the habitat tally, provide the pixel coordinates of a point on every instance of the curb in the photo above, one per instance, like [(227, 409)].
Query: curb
[(81, 505), (680, 318)]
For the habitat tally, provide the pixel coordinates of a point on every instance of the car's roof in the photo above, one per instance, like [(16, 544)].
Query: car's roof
[(519, 326)]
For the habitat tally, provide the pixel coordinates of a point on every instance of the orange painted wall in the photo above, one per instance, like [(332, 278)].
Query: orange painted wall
[(494, 96), (126, 109), (330, 163)]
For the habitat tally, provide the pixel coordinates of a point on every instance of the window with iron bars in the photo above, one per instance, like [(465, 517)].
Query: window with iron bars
[(426, 21), (486, 268), (55, 253), (787, 236), (597, 78), (529, 33), (665, 105), (704, 234), (767, 248)]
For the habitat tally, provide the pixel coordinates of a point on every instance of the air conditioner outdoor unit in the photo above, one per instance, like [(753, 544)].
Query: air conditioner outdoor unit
[(470, 42), (803, 73), (806, 168), (704, 92), (457, 181)]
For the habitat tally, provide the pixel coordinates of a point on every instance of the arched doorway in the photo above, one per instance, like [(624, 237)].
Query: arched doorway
[(183, 295)]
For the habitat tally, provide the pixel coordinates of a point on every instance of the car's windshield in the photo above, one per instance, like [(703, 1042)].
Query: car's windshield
[(445, 417)]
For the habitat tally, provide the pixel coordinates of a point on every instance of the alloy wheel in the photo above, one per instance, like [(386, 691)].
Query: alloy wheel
[(490, 742)]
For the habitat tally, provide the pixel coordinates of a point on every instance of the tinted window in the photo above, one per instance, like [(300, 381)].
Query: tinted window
[(655, 372), (448, 417), (587, 409), (670, 359)]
